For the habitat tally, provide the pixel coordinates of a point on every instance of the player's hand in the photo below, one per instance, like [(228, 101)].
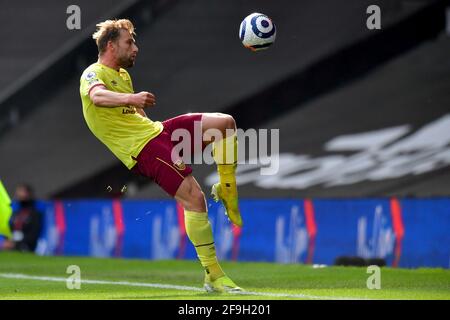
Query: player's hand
[(143, 99)]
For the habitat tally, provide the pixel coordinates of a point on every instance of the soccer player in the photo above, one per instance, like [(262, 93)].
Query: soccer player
[(116, 116)]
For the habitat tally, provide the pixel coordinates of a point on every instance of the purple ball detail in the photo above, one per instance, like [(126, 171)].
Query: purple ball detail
[(265, 23)]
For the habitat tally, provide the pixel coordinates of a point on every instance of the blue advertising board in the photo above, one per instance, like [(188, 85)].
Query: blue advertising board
[(405, 232)]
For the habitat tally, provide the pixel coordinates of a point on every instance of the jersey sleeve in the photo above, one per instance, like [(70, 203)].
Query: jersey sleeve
[(89, 80)]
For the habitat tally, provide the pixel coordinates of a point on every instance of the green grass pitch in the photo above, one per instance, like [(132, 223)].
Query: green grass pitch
[(26, 276)]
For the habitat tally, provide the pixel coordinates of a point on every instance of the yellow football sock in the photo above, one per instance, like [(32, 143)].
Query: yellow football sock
[(200, 233), (225, 153), (5, 212)]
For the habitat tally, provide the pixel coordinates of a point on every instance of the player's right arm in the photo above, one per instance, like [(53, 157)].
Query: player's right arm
[(102, 97)]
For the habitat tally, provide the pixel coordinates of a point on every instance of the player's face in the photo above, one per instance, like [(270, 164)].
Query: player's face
[(126, 49)]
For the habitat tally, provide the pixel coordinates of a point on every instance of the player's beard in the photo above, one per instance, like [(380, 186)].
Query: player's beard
[(126, 61)]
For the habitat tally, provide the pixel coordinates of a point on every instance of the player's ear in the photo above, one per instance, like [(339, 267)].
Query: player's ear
[(110, 45)]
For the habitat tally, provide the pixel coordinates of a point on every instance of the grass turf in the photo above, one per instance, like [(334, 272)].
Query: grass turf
[(293, 279)]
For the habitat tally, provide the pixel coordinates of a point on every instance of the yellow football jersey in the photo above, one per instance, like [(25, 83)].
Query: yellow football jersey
[(121, 128)]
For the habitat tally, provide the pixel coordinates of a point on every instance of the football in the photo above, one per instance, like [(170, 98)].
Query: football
[(257, 32)]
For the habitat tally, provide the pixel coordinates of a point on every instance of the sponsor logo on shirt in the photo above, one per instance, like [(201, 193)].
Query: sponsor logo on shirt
[(129, 110)]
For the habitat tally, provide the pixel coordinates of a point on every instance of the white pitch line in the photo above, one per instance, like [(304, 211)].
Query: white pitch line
[(169, 286), (119, 283)]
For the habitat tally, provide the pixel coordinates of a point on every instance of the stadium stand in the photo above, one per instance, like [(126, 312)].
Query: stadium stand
[(410, 93), (194, 68), (34, 47), (37, 124), (379, 101)]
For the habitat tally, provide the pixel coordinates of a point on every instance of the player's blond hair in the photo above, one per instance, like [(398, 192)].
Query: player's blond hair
[(109, 30)]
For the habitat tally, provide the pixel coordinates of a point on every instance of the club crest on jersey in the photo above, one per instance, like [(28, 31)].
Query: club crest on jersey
[(179, 165)]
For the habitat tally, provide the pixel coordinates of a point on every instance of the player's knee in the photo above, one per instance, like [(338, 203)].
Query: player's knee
[(198, 197), (230, 123), (227, 120), (195, 201)]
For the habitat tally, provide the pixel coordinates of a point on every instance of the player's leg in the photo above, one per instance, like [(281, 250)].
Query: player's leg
[(199, 231), (173, 176), (219, 129), (225, 155), (190, 195)]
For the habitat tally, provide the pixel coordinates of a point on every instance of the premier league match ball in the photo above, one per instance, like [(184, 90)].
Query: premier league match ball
[(257, 32)]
